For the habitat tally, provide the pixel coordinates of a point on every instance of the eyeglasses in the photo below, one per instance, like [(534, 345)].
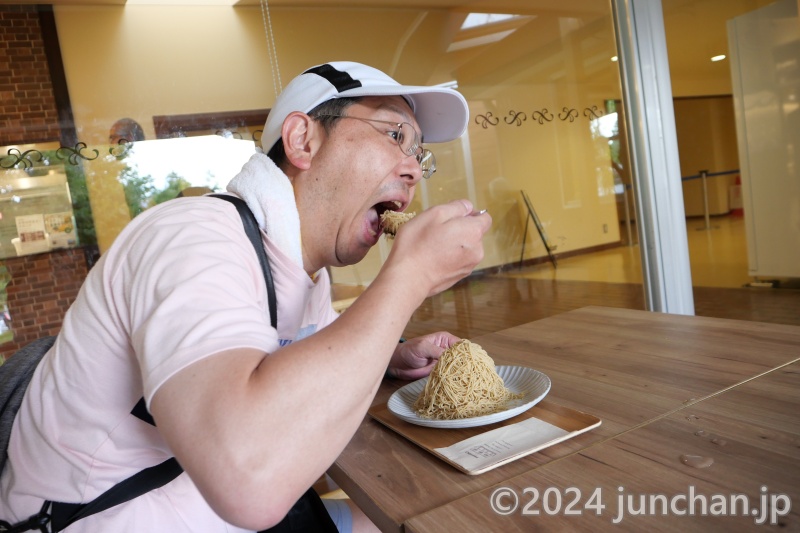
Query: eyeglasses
[(408, 140)]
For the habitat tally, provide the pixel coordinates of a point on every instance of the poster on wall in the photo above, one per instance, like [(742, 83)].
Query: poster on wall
[(32, 235), (61, 228), (30, 228)]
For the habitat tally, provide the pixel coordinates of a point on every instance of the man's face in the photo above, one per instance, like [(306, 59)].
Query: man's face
[(118, 133), (358, 172)]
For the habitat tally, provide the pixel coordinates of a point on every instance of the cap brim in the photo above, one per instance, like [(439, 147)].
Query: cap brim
[(442, 113)]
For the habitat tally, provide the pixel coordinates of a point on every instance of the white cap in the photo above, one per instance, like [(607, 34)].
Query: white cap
[(441, 112)]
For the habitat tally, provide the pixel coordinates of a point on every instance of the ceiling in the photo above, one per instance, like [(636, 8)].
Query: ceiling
[(488, 6), (695, 29), (720, 7)]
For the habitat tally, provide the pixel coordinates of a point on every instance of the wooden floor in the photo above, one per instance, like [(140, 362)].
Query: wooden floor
[(486, 304), (718, 256)]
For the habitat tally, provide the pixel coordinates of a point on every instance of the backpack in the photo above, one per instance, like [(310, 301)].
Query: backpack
[(308, 514), (15, 374)]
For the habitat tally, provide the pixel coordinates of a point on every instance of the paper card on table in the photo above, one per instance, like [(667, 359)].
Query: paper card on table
[(433, 440), (502, 444)]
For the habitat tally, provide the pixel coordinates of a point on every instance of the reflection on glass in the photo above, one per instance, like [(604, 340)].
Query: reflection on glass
[(152, 172), (35, 211)]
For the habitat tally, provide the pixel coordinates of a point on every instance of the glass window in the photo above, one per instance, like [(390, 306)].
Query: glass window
[(193, 84)]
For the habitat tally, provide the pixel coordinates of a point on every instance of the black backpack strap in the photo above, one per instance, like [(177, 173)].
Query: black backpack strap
[(254, 234), (40, 521), (64, 514), (308, 515), (140, 411)]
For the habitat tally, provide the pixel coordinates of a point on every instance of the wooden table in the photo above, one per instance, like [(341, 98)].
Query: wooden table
[(665, 386)]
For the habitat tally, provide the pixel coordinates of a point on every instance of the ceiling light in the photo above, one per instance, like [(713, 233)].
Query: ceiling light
[(474, 20), (614, 58), (478, 41), (718, 58)]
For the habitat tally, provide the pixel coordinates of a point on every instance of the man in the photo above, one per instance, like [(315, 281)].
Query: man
[(176, 312), (125, 130)]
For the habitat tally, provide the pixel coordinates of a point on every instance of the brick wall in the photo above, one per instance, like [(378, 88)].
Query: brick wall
[(28, 111), (42, 288)]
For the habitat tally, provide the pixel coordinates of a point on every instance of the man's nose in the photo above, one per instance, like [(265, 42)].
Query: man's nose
[(410, 169)]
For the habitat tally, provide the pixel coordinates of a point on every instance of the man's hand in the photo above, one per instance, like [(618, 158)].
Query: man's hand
[(438, 247), (416, 357)]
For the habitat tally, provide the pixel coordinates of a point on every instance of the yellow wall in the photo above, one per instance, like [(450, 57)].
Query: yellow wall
[(141, 61), (559, 164)]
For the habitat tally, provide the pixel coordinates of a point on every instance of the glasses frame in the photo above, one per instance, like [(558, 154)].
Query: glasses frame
[(425, 158)]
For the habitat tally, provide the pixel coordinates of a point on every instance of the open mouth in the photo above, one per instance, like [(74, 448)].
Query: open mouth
[(383, 207), (391, 217)]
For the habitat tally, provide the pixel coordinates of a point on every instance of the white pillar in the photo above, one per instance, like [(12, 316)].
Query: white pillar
[(650, 121)]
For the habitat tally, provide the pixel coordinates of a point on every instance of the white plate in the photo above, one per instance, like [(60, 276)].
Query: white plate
[(533, 384)]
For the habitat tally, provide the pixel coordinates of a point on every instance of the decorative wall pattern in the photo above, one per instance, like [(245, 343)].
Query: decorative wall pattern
[(540, 116), (14, 158)]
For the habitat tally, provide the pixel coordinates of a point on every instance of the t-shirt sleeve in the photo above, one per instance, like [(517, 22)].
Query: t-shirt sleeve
[(195, 288)]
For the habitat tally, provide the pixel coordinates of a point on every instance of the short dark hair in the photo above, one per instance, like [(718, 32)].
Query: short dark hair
[(127, 130), (334, 106)]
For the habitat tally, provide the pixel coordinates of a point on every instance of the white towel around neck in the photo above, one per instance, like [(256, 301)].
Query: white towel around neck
[(270, 196)]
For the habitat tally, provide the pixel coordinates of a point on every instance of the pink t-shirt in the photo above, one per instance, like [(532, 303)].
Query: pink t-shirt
[(180, 283)]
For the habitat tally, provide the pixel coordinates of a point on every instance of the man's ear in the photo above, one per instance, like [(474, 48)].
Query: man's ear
[(300, 136)]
